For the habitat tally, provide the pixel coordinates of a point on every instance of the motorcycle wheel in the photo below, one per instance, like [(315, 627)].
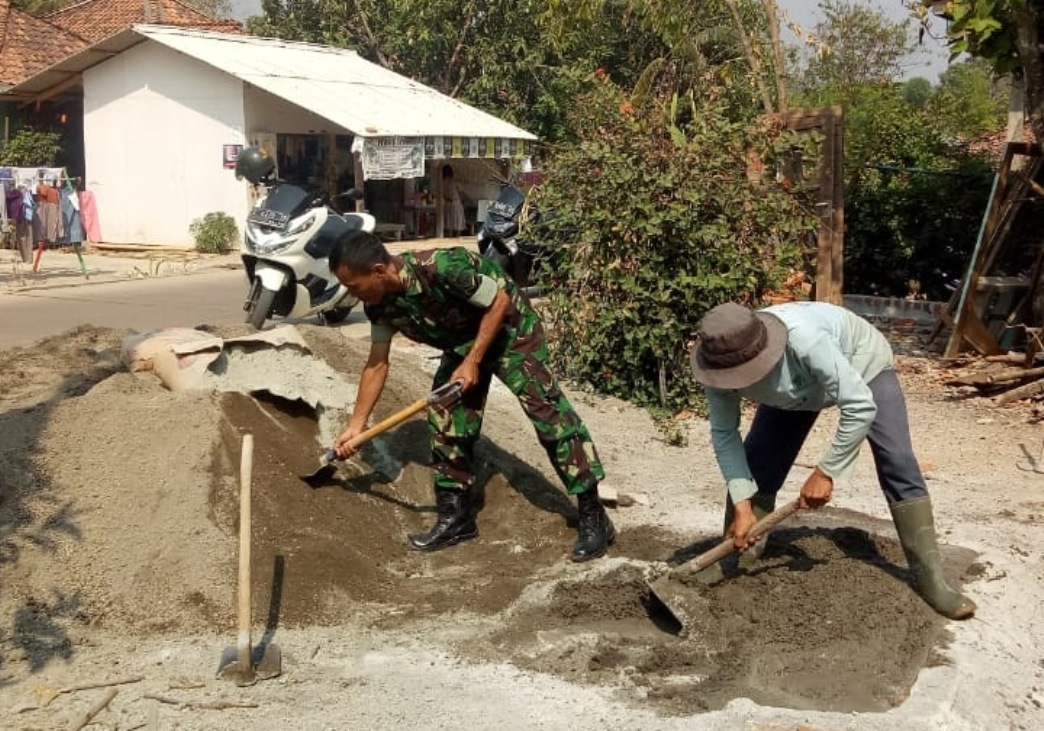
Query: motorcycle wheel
[(340, 313), (261, 307)]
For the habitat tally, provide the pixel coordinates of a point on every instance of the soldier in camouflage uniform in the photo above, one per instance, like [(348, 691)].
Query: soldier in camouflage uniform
[(465, 305)]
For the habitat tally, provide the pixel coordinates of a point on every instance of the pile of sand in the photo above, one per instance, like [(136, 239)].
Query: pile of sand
[(119, 508)]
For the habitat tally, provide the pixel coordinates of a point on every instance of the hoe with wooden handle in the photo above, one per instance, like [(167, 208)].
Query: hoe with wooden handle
[(443, 396), (239, 663), (674, 589)]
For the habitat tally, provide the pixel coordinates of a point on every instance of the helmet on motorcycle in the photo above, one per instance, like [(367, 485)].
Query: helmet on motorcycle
[(254, 164)]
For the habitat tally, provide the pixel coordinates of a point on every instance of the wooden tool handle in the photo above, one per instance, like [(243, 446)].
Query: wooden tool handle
[(390, 423), (726, 547), (246, 467)]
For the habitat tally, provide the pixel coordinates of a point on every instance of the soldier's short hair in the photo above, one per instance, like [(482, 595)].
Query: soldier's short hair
[(358, 251)]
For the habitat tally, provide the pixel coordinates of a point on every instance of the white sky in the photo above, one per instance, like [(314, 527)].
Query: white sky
[(929, 62), (243, 9)]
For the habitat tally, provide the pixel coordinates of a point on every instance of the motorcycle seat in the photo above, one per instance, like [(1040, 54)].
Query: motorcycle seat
[(323, 243)]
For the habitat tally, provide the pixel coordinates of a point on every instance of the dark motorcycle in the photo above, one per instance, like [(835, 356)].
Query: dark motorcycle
[(500, 241)]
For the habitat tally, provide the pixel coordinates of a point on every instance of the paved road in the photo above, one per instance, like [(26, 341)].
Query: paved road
[(210, 297)]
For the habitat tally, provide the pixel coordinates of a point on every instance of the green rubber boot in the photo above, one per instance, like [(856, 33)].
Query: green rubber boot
[(916, 528)]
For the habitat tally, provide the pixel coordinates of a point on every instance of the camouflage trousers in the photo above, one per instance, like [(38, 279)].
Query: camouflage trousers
[(522, 366)]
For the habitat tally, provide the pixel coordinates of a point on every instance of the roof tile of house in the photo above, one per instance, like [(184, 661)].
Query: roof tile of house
[(29, 44), (96, 20), (994, 143)]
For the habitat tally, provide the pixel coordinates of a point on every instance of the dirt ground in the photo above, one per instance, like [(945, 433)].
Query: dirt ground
[(118, 520)]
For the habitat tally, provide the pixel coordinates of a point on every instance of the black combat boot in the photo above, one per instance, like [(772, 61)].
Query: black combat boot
[(595, 530), (455, 523)]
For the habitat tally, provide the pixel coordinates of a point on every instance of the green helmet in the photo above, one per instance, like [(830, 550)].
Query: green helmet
[(254, 164)]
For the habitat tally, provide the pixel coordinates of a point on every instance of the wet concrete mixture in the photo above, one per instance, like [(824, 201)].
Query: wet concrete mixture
[(135, 492), (826, 621)]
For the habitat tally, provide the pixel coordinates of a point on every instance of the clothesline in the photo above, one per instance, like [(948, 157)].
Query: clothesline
[(46, 209), (30, 177)]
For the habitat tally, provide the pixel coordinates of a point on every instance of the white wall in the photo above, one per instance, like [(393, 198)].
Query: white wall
[(266, 112), (154, 125)]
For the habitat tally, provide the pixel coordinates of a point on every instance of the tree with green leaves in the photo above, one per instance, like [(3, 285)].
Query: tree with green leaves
[(855, 45), (528, 60), (1009, 34), (509, 57), (913, 199), (40, 7), (657, 218), (31, 147), (970, 101), (901, 152), (917, 92)]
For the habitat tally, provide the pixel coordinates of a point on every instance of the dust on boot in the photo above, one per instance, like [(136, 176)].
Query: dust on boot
[(454, 524), (595, 530), (916, 527)]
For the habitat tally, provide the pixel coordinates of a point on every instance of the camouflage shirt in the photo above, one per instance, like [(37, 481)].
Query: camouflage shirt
[(447, 292)]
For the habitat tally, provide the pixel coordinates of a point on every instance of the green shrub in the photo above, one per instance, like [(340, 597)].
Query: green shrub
[(655, 222), (214, 233), (29, 148), (913, 201)]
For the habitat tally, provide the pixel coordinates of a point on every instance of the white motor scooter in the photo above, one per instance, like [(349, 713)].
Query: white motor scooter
[(289, 236)]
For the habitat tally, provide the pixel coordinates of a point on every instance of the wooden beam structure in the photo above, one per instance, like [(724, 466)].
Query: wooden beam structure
[(828, 187), (1010, 190)]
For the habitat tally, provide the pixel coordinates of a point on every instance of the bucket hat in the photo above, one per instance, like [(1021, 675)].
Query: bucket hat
[(737, 347)]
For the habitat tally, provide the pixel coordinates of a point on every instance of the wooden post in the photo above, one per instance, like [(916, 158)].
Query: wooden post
[(965, 310), (837, 218), (953, 345), (825, 254), (830, 196)]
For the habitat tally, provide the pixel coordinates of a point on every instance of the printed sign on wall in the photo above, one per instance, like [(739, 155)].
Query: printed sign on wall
[(229, 155)]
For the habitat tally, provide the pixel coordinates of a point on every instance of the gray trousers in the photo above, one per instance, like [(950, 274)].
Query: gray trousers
[(776, 437)]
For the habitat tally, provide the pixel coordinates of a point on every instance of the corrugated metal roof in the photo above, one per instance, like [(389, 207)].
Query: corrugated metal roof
[(336, 84)]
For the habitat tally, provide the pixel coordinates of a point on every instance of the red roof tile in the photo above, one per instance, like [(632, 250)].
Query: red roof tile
[(29, 44), (994, 143), (96, 20)]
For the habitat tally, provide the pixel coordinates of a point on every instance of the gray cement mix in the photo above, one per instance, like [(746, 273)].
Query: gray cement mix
[(289, 373)]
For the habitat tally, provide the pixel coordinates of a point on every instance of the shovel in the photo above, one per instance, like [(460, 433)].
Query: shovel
[(674, 590), (238, 663), (443, 395)]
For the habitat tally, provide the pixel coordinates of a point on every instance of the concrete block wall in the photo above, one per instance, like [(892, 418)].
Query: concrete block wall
[(896, 315)]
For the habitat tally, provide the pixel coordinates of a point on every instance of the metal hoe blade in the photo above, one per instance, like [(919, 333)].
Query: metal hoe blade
[(262, 663), (674, 589), (325, 473), (442, 396)]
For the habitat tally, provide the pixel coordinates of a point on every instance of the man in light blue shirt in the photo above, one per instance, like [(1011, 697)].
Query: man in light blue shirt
[(795, 360)]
